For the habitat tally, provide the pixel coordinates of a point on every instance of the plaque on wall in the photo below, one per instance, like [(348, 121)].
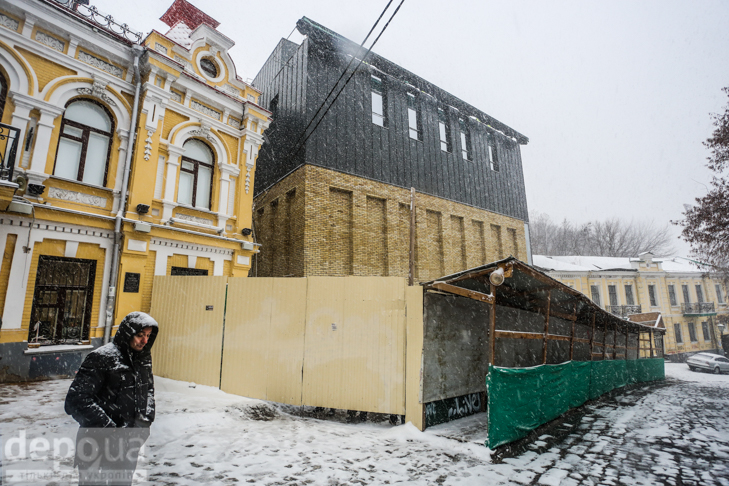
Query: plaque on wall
[(131, 282)]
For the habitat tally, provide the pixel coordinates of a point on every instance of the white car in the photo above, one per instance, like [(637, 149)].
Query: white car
[(708, 362)]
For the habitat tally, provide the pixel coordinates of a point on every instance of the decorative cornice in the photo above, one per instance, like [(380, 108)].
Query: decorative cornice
[(99, 91), (100, 64), (77, 197), (188, 246), (50, 41), (197, 106), (9, 22)]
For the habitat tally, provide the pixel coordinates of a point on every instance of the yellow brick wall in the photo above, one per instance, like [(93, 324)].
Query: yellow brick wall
[(46, 70), (346, 225)]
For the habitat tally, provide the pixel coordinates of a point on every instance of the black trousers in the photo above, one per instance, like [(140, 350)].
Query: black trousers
[(106, 457)]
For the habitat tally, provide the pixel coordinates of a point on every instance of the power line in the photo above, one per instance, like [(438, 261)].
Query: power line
[(342, 75), (301, 145)]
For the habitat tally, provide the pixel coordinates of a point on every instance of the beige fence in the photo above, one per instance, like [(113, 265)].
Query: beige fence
[(336, 342)]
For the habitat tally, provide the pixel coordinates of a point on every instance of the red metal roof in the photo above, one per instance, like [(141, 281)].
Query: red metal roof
[(182, 10)]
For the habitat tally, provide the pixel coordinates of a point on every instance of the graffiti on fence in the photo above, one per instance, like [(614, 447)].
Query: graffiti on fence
[(452, 408)]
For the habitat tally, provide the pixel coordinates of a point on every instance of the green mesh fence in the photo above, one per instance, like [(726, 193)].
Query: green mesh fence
[(522, 399)]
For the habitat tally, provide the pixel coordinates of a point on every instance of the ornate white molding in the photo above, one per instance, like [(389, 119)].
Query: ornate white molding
[(175, 96), (183, 245), (185, 63), (9, 23), (248, 177), (49, 41), (99, 91), (160, 48), (233, 122), (194, 219), (197, 106), (148, 145), (77, 197), (100, 64), (232, 90), (203, 131)]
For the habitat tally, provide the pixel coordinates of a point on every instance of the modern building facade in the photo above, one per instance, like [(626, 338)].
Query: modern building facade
[(334, 196), (690, 301), (135, 157)]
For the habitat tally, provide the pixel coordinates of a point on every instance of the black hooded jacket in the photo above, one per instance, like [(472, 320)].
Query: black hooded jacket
[(114, 386)]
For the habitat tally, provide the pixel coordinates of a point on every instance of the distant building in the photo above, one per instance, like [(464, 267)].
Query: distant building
[(690, 302), (336, 200), (80, 247)]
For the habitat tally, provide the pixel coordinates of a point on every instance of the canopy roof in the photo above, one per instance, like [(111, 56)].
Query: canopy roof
[(529, 289)]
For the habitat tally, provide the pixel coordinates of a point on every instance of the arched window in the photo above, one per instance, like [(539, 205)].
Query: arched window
[(196, 175), (83, 147)]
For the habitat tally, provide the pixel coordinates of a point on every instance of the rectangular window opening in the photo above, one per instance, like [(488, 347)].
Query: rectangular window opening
[(677, 333), (613, 294), (595, 291), (652, 295), (705, 330), (444, 132), (493, 156), (672, 295), (629, 300), (699, 294), (415, 122), (719, 295), (465, 140), (379, 102), (692, 332)]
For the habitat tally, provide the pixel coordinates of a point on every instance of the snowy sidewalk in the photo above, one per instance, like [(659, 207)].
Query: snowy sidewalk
[(674, 433)]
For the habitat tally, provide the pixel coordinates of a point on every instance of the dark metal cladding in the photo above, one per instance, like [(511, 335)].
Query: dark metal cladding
[(295, 81)]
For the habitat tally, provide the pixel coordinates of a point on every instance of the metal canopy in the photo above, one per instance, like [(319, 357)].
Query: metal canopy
[(529, 289)]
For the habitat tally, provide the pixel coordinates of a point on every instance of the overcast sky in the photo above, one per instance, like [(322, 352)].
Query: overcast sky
[(615, 96)]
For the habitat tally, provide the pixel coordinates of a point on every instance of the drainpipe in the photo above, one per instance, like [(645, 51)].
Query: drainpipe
[(114, 274)]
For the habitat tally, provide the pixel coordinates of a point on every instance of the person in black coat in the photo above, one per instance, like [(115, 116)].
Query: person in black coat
[(112, 399)]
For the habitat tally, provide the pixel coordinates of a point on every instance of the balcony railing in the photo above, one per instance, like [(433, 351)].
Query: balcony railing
[(698, 309), (623, 310), (106, 22), (9, 137)]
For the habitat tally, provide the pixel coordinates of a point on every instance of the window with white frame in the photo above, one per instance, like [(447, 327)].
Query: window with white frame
[(719, 295), (613, 294), (379, 102), (686, 296), (672, 295), (629, 299), (692, 332), (595, 291), (652, 295), (84, 142), (444, 130), (465, 140), (705, 330), (493, 156), (677, 333), (196, 175), (699, 294), (415, 122)]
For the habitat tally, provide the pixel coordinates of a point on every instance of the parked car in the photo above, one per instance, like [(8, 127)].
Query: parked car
[(708, 362)]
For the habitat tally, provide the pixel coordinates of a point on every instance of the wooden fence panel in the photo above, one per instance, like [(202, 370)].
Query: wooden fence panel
[(264, 338), (189, 344)]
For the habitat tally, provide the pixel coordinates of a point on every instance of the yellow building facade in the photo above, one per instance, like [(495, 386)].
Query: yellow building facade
[(135, 157), (692, 304)]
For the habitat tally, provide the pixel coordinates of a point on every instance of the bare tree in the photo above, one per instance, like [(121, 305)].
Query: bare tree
[(611, 237), (706, 224)]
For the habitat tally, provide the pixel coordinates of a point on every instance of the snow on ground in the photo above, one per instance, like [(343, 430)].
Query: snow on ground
[(202, 435)]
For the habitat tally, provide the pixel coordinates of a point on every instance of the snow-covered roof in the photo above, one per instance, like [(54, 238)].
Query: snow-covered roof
[(576, 263), (589, 263), (549, 263), (180, 33)]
